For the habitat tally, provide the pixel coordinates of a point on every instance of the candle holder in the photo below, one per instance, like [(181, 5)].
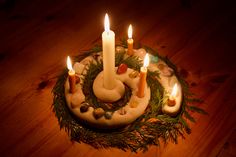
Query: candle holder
[(120, 101), (171, 102), (105, 108), (82, 112), (108, 95)]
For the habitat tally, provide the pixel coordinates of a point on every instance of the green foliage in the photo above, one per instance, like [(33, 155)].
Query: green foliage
[(93, 70), (133, 62), (119, 58), (96, 48), (146, 130), (123, 42), (196, 109), (157, 91)]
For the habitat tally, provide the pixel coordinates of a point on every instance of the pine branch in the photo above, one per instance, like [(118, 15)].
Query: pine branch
[(196, 109), (189, 117)]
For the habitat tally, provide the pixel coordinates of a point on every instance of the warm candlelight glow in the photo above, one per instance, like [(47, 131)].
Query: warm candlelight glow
[(71, 76), (146, 61), (130, 31), (69, 65), (172, 97), (107, 23), (130, 41), (174, 91), (108, 48), (143, 76)]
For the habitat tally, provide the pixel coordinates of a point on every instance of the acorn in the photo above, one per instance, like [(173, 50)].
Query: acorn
[(134, 74), (84, 107), (98, 113), (108, 115), (122, 68)]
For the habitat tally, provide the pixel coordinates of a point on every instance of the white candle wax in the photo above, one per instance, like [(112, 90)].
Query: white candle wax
[(108, 48)]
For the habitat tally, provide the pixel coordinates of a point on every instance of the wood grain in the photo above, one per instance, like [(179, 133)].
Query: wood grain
[(36, 36)]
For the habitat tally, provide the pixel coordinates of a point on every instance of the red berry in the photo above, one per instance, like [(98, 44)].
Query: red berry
[(122, 68)]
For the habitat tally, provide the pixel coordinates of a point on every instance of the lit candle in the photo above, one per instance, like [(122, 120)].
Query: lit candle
[(130, 41), (143, 76), (71, 73), (172, 97), (108, 47)]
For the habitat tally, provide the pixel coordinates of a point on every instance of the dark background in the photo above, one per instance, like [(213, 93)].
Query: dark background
[(37, 35)]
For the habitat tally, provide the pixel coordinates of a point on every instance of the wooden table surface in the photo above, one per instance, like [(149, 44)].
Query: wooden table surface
[(37, 35)]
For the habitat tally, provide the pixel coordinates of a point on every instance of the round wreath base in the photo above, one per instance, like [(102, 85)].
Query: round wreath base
[(147, 130)]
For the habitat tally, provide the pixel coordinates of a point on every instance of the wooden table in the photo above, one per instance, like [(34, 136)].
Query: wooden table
[(36, 36)]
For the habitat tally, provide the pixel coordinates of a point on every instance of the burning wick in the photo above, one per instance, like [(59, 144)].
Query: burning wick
[(172, 97), (143, 76), (130, 41), (71, 73)]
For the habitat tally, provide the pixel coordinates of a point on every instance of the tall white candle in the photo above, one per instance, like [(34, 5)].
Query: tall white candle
[(108, 48)]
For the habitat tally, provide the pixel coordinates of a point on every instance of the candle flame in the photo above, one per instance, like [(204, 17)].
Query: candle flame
[(146, 60), (107, 23), (69, 65), (174, 90), (130, 31)]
